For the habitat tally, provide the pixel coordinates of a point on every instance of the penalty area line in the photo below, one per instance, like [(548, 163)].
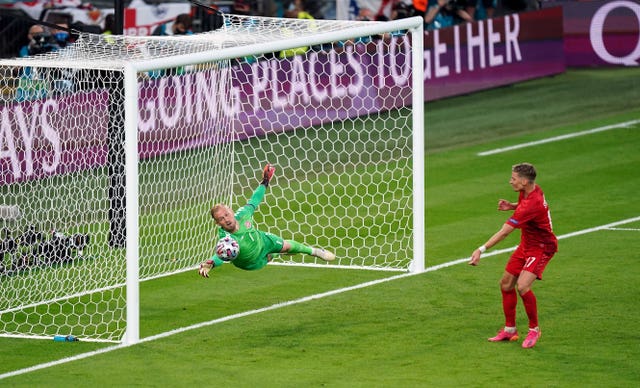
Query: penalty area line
[(290, 303), (625, 229), (626, 124)]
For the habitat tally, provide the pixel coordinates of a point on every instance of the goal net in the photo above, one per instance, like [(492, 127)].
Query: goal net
[(114, 148)]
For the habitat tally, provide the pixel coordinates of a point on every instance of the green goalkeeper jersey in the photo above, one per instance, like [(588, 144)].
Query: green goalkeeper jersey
[(254, 244)]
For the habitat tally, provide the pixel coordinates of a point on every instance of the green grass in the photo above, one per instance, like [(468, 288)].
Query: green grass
[(562, 103), (429, 329)]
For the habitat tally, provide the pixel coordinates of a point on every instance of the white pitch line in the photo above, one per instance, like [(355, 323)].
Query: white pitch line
[(626, 124), (289, 303)]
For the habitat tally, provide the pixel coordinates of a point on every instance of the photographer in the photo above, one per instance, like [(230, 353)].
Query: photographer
[(41, 40), (37, 83), (445, 13), (180, 26), (34, 249), (61, 35), (34, 37)]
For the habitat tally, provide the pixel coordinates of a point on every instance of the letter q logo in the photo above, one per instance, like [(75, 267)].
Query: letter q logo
[(595, 33)]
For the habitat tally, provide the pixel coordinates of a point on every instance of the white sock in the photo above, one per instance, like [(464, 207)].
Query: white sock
[(510, 329)]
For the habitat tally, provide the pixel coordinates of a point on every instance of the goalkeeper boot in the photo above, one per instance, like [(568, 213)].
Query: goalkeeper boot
[(532, 338), (324, 254), (267, 174), (504, 335)]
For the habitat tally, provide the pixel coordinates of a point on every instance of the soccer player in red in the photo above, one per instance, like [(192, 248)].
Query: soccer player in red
[(537, 246)]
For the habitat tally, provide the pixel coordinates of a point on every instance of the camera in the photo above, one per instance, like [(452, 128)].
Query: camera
[(31, 236), (59, 248), (32, 248), (8, 246), (43, 43)]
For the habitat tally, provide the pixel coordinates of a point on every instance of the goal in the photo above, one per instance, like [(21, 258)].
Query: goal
[(114, 148)]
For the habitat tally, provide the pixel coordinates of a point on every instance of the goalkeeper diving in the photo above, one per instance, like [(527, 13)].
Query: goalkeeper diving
[(257, 248)]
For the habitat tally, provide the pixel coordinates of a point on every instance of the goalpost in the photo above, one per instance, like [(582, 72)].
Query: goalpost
[(113, 150)]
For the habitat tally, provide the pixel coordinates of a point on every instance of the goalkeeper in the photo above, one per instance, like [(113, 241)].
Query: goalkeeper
[(256, 247)]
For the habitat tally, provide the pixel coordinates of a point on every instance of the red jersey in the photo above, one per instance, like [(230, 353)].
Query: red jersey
[(532, 217)]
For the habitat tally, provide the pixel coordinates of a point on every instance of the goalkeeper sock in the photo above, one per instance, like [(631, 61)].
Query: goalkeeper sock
[(296, 247)]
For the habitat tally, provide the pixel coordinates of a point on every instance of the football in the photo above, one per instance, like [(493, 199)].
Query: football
[(227, 248)]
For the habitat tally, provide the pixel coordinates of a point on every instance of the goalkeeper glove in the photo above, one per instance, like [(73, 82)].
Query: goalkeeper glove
[(205, 268), (267, 174)]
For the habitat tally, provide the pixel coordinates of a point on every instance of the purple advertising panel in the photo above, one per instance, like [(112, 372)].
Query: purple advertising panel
[(280, 95), (601, 33), (272, 96), (489, 53), (53, 136), (65, 134)]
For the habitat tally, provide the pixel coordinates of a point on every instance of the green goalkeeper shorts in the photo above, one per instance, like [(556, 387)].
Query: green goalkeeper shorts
[(271, 244)]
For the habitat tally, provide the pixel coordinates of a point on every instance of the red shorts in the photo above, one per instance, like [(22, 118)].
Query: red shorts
[(533, 260)]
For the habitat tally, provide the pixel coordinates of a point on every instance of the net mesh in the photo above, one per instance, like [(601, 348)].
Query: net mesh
[(334, 118)]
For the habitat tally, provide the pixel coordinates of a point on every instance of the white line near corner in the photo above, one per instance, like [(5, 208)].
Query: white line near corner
[(290, 303), (626, 124)]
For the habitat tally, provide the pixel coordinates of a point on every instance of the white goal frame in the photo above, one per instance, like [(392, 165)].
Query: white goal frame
[(415, 25), (132, 65)]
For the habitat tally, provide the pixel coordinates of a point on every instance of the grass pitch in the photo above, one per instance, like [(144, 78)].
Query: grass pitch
[(429, 329)]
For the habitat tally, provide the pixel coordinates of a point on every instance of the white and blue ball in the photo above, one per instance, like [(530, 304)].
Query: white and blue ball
[(227, 248)]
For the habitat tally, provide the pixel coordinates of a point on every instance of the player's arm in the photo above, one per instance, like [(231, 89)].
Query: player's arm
[(258, 194), (267, 174), (208, 265), (432, 11), (493, 240), (504, 205)]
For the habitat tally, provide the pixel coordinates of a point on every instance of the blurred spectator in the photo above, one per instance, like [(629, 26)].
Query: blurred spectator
[(445, 13), (180, 26), (365, 15), (241, 7), (296, 11), (481, 9), (510, 6), (33, 40), (394, 9), (109, 23), (402, 9), (37, 83), (31, 85), (383, 14), (61, 35), (316, 8), (43, 40)]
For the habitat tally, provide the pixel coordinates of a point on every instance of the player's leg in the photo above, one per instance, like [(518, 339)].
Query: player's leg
[(525, 281), (509, 303), (510, 296), (275, 245), (293, 247), (533, 269)]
